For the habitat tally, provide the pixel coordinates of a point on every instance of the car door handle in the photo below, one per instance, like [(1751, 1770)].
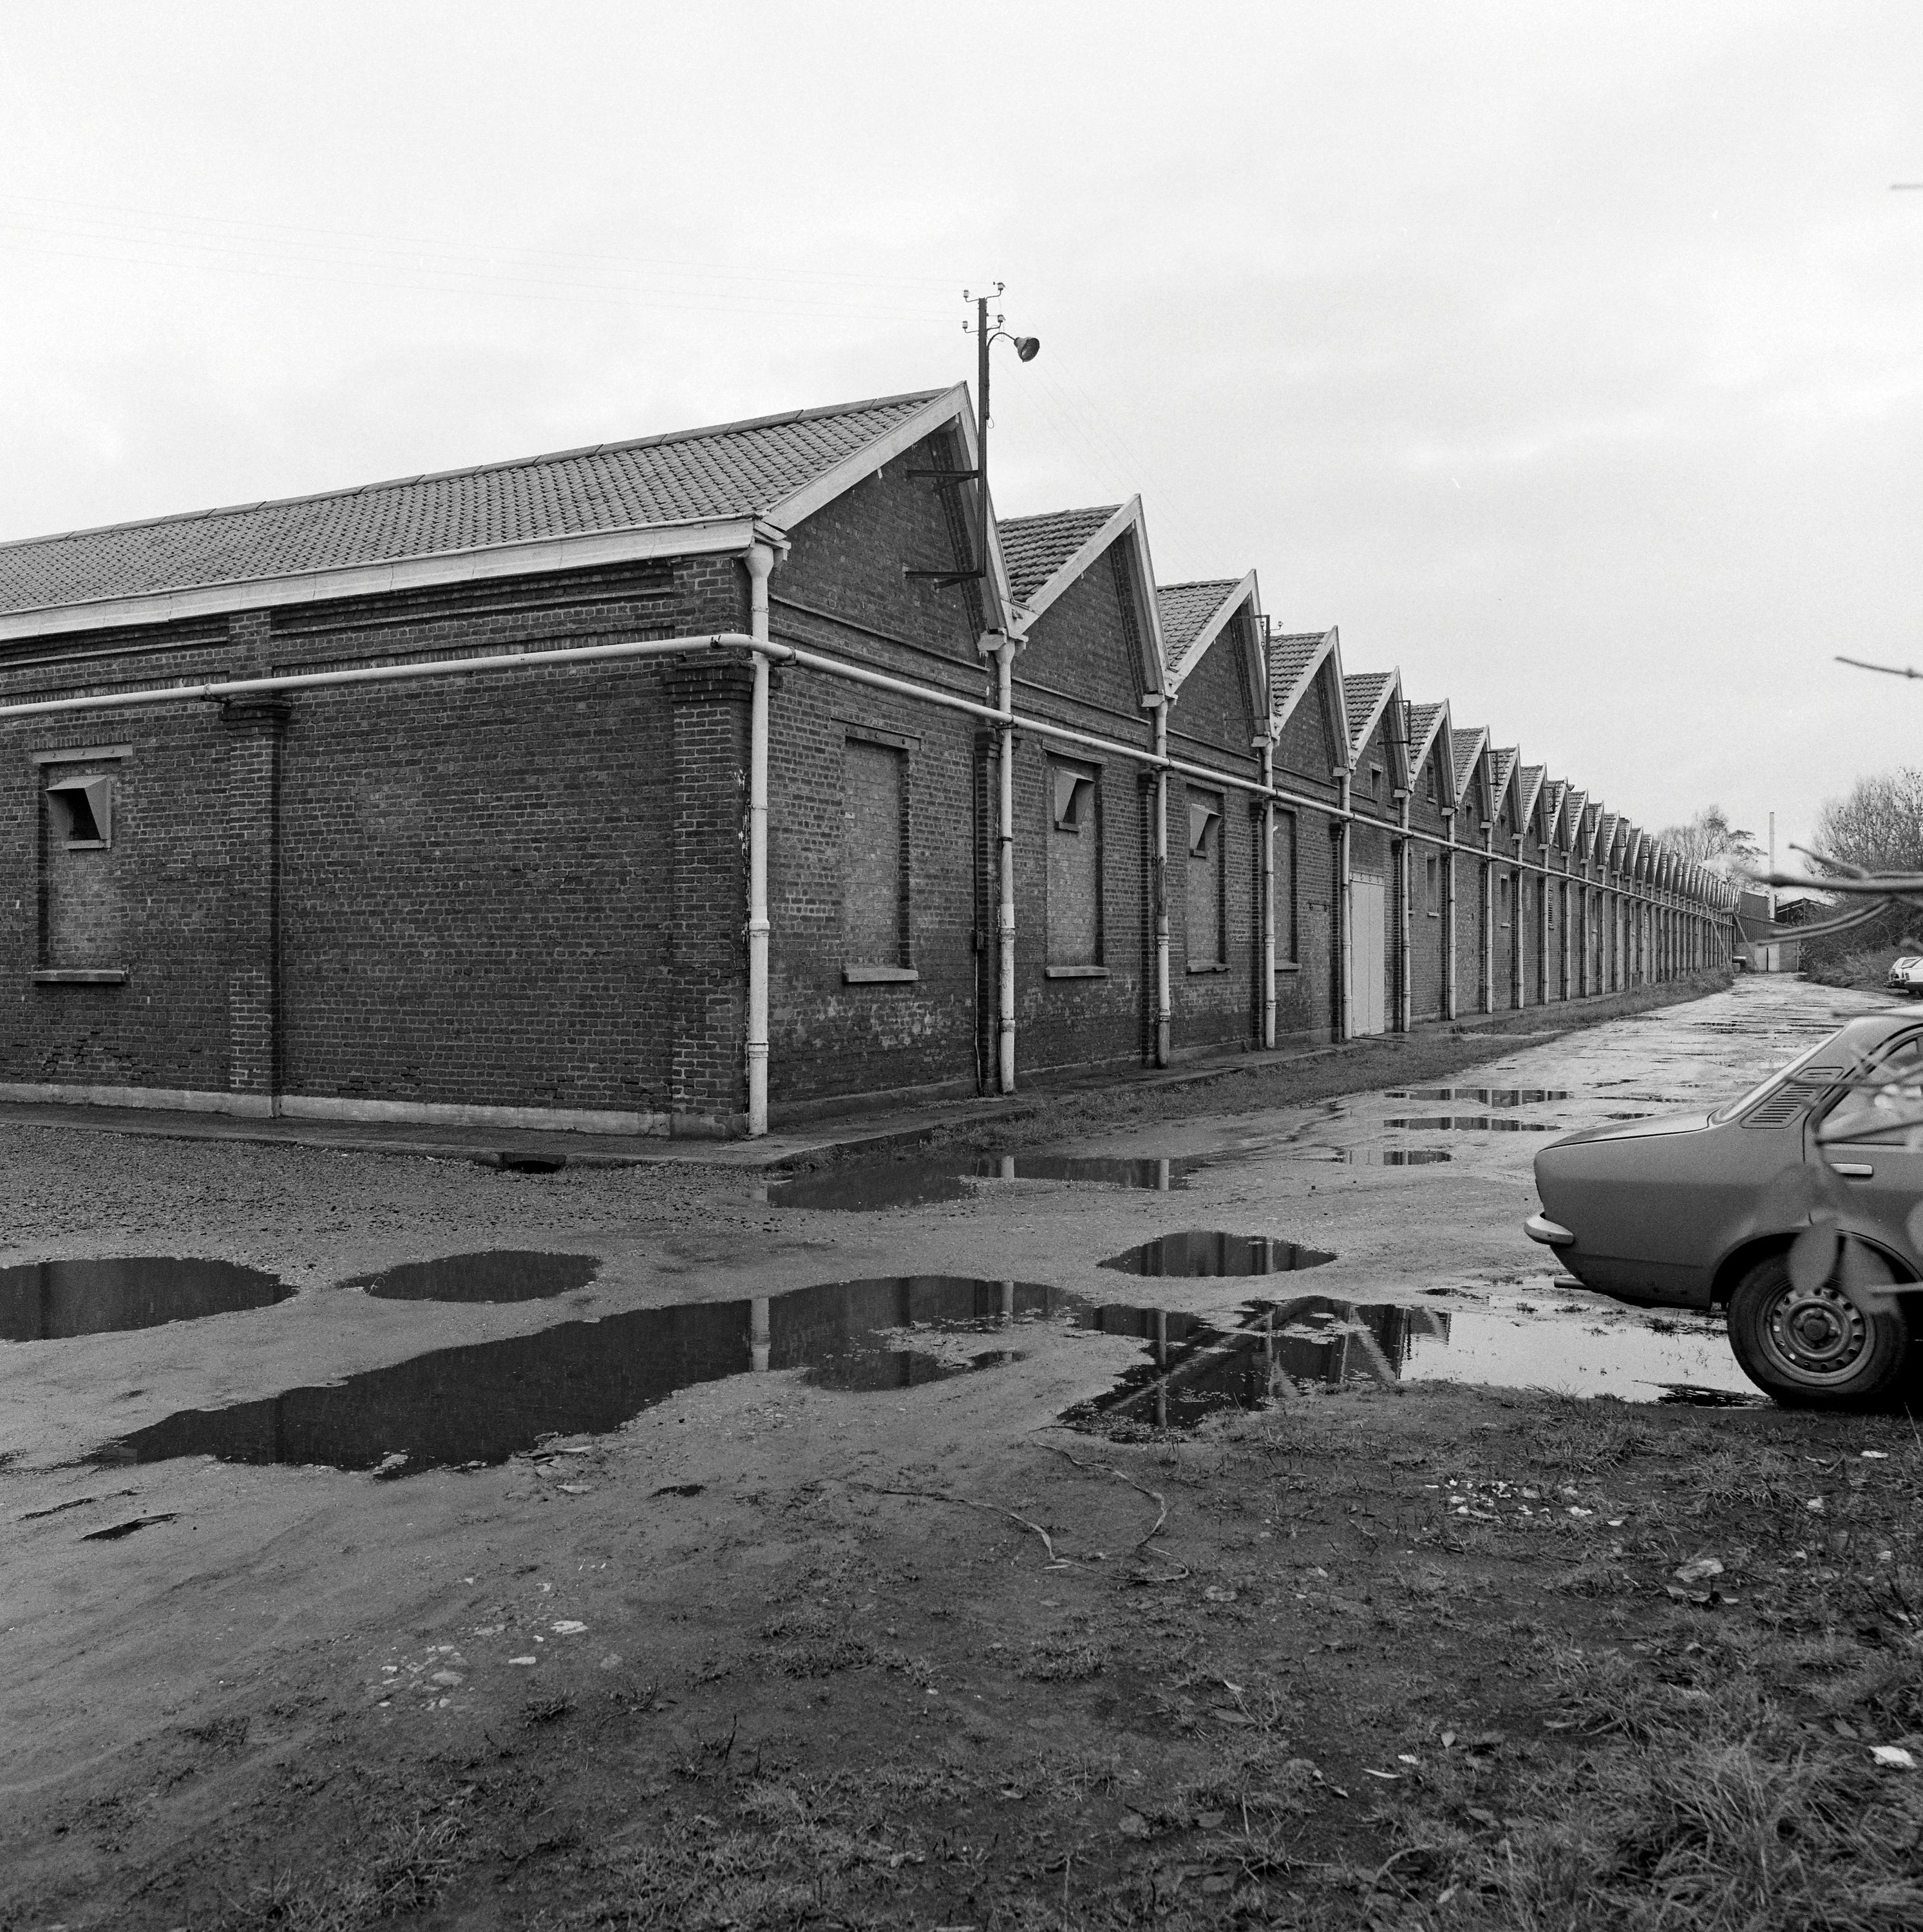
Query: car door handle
[(1853, 1170)]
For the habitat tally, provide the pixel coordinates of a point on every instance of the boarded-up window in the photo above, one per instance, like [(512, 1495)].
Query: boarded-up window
[(1502, 898), (875, 870), (83, 913), (1431, 894), (1075, 864), (1208, 881), (1286, 910)]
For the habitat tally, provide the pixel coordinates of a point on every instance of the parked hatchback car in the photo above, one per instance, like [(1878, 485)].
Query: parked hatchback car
[(1701, 1210), (1905, 973)]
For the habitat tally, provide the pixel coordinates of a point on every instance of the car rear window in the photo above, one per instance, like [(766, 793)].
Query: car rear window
[(1889, 1111)]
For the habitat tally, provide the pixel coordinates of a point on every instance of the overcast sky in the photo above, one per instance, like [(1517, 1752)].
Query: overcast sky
[(1570, 358)]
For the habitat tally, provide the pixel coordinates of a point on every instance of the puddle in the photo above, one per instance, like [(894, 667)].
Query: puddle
[(1473, 1124), (48, 1300), (1196, 1368), (502, 1274), (964, 1176), (1486, 1096), (1391, 1156), (484, 1402), (1202, 1252)]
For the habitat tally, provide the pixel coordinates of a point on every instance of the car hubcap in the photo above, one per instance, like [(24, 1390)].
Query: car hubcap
[(1819, 1336)]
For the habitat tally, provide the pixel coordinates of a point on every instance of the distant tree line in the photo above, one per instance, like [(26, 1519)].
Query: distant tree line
[(1877, 827)]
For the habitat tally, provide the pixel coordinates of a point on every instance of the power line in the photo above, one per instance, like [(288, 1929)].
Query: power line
[(411, 244)]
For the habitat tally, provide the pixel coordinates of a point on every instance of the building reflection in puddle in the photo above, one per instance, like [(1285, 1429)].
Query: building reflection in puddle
[(484, 1402), (868, 1186), (52, 1300), (1196, 1368)]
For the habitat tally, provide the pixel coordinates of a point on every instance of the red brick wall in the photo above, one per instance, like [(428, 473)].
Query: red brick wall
[(1213, 723), (1373, 842), (156, 898), (1083, 667), (1535, 985), (1428, 926), (842, 591), (477, 873), (1306, 754)]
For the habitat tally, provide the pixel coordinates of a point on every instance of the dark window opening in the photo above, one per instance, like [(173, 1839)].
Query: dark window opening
[(1431, 875), (84, 810), (1074, 799), (1204, 823)]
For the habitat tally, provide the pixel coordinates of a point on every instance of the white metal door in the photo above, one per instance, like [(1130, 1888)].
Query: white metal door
[(1368, 961)]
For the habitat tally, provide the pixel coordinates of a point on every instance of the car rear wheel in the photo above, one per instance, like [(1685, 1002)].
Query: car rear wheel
[(1829, 1347)]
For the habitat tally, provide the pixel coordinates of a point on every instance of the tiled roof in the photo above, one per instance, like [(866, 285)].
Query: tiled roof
[(1529, 785), (1469, 741), (734, 469), (1185, 608), (1290, 653), (1574, 805), (1504, 763), (1422, 720), (1035, 548), (1361, 692)]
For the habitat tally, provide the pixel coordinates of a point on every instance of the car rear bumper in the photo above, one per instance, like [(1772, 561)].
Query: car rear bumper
[(1551, 1233)]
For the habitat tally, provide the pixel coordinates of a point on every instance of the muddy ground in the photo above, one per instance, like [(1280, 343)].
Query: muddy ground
[(777, 1653)]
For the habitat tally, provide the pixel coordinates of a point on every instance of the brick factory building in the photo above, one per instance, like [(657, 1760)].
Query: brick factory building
[(674, 785)]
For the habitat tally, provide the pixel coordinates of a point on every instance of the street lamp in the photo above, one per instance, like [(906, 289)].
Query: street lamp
[(1027, 348)]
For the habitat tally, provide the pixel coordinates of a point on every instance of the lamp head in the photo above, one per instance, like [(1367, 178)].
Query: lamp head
[(1028, 347)]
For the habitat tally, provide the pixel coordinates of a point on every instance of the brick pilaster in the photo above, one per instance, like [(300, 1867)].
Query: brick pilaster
[(709, 699), (252, 828)]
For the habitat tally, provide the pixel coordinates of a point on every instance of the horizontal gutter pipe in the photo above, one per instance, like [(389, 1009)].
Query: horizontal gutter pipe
[(656, 647), (314, 680)]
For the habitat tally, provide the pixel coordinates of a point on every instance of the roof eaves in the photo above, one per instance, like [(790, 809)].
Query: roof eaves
[(583, 550)]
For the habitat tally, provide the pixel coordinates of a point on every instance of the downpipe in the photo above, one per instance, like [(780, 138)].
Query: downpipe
[(1486, 1003), (760, 560), (1449, 974), (1005, 872), (1346, 917), (1163, 1008), (1405, 992), (1267, 745)]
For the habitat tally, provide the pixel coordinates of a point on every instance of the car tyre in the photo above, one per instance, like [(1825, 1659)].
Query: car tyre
[(1833, 1347)]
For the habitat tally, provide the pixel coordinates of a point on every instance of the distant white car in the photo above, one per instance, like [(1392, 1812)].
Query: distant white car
[(1905, 974)]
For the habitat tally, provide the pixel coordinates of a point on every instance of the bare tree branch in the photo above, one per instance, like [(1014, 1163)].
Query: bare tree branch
[(1889, 671)]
